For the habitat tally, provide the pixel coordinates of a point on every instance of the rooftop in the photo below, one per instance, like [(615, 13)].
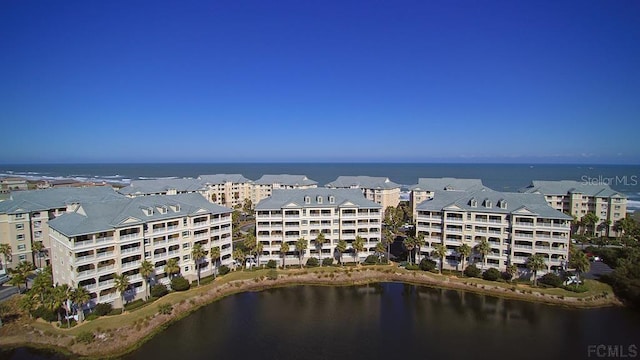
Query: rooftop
[(46, 199), (223, 178), (286, 179), (448, 183), (308, 198), (564, 187), (155, 186), (366, 182)]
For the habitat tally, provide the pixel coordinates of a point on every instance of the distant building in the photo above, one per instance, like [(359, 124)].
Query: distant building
[(230, 190), (168, 186), (288, 215), (578, 199), (98, 240), (264, 186), (25, 215), (381, 190), (8, 184), (426, 188), (516, 226)]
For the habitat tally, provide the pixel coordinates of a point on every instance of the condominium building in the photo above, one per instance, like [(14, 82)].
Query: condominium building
[(166, 186), (288, 215), (98, 240), (516, 226), (426, 188), (380, 190), (25, 215), (579, 198), (264, 186), (230, 190)]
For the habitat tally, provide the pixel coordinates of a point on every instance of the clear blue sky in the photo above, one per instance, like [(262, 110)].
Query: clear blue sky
[(193, 81)]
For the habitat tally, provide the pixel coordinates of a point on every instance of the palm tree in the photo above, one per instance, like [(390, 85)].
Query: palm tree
[(578, 260), (320, 240), (512, 270), (80, 296), (409, 243), (341, 248), (38, 249), (61, 294), (250, 243), (483, 248), (215, 256), (464, 250), (440, 251), (419, 242), (239, 256), (259, 250), (171, 268), (301, 246), (388, 239), (591, 219), (358, 246), (28, 303), (5, 250), (284, 247), (535, 263), (24, 269), (380, 249), (146, 269), (121, 285), (198, 255)]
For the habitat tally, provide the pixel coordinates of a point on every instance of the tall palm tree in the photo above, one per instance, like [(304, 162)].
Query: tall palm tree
[(535, 263), (301, 246), (24, 269), (198, 254), (215, 256), (358, 246), (341, 248), (464, 250), (61, 294), (320, 240), (389, 238), (250, 243), (483, 248), (239, 256), (121, 285), (38, 249), (146, 269), (440, 251), (80, 296), (5, 250), (578, 260), (409, 244), (171, 268), (259, 250), (380, 250), (284, 247)]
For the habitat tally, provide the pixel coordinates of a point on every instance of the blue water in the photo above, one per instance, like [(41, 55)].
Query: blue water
[(503, 177)]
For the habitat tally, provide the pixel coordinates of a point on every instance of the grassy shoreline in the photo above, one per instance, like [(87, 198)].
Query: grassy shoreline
[(120, 334)]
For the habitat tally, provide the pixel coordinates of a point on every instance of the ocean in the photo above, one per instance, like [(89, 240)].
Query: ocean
[(502, 177)]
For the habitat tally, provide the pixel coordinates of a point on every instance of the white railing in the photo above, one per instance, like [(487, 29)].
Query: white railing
[(105, 254), (130, 250), (107, 268), (86, 272), (104, 239)]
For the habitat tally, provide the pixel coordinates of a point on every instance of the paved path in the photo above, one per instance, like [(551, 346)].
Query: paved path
[(598, 268), (6, 291)]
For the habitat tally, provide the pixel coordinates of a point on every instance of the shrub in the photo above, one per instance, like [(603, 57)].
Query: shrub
[(427, 264), (327, 261), (180, 284), (207, 280), (224, 270), (472, 271), (115, 312), (158, 290), (91, 316), (165, 309), (312, 262), (272, 274), (550, 279), (576, 288), (102, 309), (134, 304), (272, 264), (45, 314), (371, 260), (412, 267), (491, 274), (85, 337)]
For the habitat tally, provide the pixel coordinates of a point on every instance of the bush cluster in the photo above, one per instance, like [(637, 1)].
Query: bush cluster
[(312, 262), (158, 290), (224, 270), (327, 261), (180, 284), (427, 264), (102, 309), (412, 267), (472, 271), (551, 280), (165, 309), (491, 274), (371, 260), (272, 264), (45, 314)]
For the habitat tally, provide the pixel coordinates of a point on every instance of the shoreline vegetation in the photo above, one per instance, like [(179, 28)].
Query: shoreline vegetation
[(116, 335)]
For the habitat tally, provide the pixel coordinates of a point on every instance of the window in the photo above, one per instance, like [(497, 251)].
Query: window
[(319, 199), (185, 257), (22, 247), (185, 234), (184, 222), (20, 237), (19, 226), (37, 234), (19, 216), (307, 200), (185, 246), (473, 202), (332, 199), (24, 258), (186, 269)]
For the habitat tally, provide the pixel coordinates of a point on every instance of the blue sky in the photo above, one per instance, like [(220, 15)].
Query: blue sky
[(426, 81)]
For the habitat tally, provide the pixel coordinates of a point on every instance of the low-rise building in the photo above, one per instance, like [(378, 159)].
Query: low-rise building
[(579, 198), (264, 186), (98, 240), (168, 186), (380, 190), (426, 188), (230, 190), (289, 215), (515, 225)]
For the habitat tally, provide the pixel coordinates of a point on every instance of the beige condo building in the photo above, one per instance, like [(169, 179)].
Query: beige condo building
[(230, 190), (264, 186), (427, 187), (380, 190), (164, 186)]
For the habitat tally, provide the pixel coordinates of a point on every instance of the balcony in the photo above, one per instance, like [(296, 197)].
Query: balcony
[(103, 240), (83, 243), (130, 250), (106, 269), (105, 254), (106, 283), (83, 259), (129, 236), (131, 264), (518, 246), (86, 272)]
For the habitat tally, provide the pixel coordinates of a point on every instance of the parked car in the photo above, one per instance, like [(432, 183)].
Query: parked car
[(572, 280)]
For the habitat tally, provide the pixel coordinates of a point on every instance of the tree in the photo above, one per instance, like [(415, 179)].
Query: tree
[(535, 263), (409, 244), (121, 284), (625, 226), (418, 243), (259, 250), (389, 238), (301, 246), (483, 248), (590, 219), (80, 296), (247, 206), (215, 256), (146, 269), (239, 256), (284, 248), (464, 250), (511, 270), (358, 246), (250, 243), (62, 293), (380, 250), (171, 268), (341, 248), (5, 250), (38, 249), (440, 251), (578, 260), (320, 240), (24, 269), (198, 254)]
